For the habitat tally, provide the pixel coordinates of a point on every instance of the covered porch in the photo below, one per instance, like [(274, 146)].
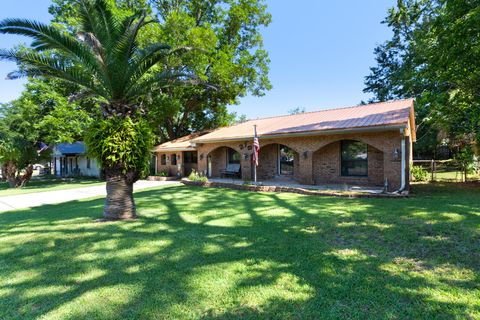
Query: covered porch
[(335, 162), (292, 184)]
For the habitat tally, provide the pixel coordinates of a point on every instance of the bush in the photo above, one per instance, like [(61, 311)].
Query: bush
[(121, 145), (195, 176), (419, 173), (163, 174)]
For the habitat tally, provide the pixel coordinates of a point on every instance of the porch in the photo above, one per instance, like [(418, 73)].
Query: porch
[(282, 183), (327, 163)]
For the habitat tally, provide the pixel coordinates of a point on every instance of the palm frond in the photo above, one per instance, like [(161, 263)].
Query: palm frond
[(145, 59), (38, 64), (124, 49), (47, 37), (159, 80)]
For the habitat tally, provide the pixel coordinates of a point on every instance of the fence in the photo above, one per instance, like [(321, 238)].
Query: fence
[(448, 170)]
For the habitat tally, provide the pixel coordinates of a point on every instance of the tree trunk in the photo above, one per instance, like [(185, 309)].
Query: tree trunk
[(119, 203), (25, 178), (10, 173)]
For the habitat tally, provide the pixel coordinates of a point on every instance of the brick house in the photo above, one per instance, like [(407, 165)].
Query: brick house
[(362, 145)]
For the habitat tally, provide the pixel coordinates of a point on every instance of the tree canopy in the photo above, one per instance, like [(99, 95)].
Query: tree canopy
[(41, 115), (433, 56), (229, 56)]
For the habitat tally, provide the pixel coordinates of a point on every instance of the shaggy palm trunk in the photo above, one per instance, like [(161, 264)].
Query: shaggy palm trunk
[(119, 203)]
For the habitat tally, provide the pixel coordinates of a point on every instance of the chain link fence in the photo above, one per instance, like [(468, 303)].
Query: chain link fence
[(445, 171)]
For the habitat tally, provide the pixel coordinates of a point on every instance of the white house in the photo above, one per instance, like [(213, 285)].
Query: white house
[(71, 159)]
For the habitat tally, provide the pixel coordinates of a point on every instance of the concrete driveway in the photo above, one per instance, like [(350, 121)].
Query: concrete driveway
[(22, 201)]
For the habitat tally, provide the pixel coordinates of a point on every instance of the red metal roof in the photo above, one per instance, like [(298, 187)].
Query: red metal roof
[(376, 115), (180, 144)]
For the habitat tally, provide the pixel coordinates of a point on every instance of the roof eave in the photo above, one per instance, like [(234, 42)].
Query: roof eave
[(174, 149), (308, 133)]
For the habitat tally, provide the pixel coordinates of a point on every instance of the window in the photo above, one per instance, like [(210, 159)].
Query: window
[(233, 156), (354, 158), (173, 158), (88, 163), (287, 157), (163, 159), (190, 157)]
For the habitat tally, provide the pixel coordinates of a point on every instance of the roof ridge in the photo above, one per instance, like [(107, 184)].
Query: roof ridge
[(324, 110)]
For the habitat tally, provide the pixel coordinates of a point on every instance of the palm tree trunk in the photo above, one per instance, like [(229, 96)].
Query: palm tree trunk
[(119, 203)]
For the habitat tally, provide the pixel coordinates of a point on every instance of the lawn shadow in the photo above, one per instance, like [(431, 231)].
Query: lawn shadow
[(223, 254)]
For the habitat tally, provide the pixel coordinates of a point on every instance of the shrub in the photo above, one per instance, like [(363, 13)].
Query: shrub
[(121, 145), (163, 174), (419, 173), (466, 160), (195, 176)]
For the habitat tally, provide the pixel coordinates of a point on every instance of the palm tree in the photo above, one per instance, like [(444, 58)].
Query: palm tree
[(104, 60)]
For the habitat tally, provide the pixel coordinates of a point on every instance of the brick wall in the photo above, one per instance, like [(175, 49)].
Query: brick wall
[(268, 162), (327, 166), (171, 169), (383, 164)]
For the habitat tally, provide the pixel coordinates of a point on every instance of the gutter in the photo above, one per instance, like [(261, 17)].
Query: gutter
[(174, 149), (305, 133), (403, 166)]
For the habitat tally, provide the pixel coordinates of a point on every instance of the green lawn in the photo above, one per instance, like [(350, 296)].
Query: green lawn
[(222, 254), (48, 184)]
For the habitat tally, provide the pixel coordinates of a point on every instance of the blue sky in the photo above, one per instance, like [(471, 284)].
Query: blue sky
[(320, 51)]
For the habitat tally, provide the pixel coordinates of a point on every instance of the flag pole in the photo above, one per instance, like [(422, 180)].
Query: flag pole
[(255, 163)]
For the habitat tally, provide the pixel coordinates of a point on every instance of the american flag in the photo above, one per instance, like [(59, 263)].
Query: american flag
[(256, 147)]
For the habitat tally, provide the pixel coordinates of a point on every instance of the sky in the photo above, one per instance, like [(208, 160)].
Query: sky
[(320, 52)]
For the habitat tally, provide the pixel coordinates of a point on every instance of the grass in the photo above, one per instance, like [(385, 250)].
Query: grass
[(223, 254), (48, 184), (454, 176)]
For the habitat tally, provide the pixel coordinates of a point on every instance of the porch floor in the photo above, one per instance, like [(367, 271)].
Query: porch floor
[(285, 182)]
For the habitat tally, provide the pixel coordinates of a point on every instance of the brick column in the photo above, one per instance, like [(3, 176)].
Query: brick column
[(305, 167), (180, 167), (246, 165), (202, 163), (392, 165)]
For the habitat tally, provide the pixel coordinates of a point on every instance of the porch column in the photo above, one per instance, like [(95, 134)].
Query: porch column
[(392, 169), (180, 166), (202, 162), (247, 166), (305, 167)]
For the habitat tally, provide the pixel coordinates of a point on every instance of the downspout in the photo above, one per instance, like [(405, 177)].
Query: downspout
[(404, 162)]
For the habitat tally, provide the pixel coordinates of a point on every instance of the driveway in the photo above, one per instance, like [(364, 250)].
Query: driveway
[(22, 201)]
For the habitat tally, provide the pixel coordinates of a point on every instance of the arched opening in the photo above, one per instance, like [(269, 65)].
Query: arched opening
[(223, 159), (286, 161), (277, 161), (348, 161)]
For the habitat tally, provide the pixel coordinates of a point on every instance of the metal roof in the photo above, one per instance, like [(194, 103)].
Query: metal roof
[(375, 116), (71, 148)]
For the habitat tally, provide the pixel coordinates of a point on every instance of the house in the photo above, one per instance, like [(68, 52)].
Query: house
[(71, 159), (367, 145), (178, 157)]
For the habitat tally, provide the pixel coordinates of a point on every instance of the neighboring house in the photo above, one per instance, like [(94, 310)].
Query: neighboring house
[(365, 145), (71, 159)]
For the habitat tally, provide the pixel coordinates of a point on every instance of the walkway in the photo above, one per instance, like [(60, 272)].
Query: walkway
[(29, 200), (292, 184)]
